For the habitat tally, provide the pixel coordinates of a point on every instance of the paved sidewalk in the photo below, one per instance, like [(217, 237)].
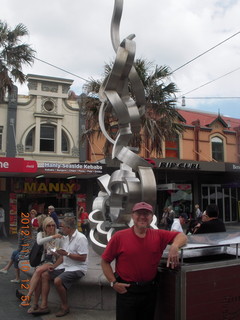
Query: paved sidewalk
[(9, 304)]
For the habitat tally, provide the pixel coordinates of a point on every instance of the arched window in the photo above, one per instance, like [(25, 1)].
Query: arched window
[(29, 142), (48, 138), (172, 148), (65, 142), (217, 149)]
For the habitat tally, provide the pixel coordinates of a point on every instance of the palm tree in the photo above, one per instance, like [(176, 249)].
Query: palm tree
[(13, 54), (158, 121)]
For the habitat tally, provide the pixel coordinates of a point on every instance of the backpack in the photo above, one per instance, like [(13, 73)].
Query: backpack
[(35, 254)]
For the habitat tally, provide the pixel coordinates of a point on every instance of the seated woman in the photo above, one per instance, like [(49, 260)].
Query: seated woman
[(50, 239)]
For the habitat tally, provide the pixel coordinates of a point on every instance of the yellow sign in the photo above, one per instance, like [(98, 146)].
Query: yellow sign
[(34, 187)]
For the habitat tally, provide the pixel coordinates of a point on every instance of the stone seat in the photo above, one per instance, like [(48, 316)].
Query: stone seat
[(91, 292)]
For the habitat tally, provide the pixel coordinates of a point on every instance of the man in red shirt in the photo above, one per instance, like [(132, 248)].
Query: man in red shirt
[(137, 252)]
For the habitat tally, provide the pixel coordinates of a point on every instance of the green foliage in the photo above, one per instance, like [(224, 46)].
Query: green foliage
[(159, 122), (13, 55)]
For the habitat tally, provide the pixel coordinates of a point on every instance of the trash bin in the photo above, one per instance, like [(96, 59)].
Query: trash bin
[(207, 283)]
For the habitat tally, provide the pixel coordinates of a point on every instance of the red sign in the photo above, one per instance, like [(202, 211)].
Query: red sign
[(29, 166), (17, 165)]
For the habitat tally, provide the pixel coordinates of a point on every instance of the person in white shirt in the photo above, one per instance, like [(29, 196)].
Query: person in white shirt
[(178, 222), (70, 266)]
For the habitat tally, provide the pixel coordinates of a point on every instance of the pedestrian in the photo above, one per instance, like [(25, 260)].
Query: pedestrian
[(2, 222), (198, 213), (69, 267), (179, 222), (84, 221), (25, 242), (53, 214), (170, 217), (34, 220), (210, 221), (163, 221), (137, 252)]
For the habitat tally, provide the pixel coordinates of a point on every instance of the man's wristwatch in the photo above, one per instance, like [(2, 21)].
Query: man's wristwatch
[(68, 254), (113, 283)]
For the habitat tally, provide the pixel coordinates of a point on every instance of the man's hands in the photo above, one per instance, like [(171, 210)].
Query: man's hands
[(121, 287), (173, 257), (62, 252)]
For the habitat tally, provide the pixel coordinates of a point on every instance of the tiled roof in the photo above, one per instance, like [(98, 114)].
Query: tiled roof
[(206, 118)]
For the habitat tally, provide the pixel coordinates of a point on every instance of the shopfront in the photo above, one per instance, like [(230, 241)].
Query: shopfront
[(65, 186), (31, 193), (182, 184)]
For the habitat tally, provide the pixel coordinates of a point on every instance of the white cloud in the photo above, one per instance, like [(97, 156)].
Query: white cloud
[(75, 35)]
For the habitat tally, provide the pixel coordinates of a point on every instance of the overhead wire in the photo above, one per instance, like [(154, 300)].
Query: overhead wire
[(224, 75), (52, 65), (200, 55)]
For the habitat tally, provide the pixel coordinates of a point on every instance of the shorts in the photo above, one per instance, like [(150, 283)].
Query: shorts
[(67, 277), (15, 258)]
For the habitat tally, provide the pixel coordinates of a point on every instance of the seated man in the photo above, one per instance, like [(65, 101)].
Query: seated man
[(70, 266), (179, 222), (211, 222)]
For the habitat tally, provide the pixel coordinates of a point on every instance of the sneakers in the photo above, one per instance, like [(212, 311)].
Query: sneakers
[(3, 271), (15, 281)]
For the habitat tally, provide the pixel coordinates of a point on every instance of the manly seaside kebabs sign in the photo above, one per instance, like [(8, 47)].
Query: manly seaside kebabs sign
[(77, 168)]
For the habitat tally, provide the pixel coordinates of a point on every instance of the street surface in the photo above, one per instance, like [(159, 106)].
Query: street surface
[(9, 304)]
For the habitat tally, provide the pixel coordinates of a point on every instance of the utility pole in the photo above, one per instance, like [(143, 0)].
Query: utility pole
[(11, 148), (82, 122)]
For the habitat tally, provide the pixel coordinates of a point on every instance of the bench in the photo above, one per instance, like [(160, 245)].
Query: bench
[(91, 292)]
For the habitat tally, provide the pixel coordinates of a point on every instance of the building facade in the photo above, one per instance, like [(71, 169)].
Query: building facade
[(40, 162), (43, 161)]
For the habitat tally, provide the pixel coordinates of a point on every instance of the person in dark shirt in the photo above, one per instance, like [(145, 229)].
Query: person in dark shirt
[(52, 214), (211, 221)]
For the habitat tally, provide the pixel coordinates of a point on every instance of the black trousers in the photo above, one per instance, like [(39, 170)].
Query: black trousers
[(137, 304)]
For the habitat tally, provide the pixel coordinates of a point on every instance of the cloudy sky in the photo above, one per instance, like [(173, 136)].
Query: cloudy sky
[(74, 35)]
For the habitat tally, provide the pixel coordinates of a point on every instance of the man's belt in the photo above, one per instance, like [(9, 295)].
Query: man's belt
[(137, 283)]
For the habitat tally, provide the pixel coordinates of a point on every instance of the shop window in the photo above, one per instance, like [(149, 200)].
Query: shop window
[(172, 148), (47, 138), (1, 138), (29, 145), (217, 149)]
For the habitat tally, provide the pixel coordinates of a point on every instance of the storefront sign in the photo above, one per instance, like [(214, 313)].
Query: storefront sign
[(29, 166), (17, 165), (232, 167), (11, 164), (179, 165), (72, 168), (35, 187)]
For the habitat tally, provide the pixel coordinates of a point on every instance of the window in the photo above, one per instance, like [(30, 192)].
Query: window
[(47, 138), (172, 148), (65, 143), (29, 145), (1, 138), (48, 105), (217, 149)]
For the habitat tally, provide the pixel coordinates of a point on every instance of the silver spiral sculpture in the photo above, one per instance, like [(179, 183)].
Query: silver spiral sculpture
[(135, 180)]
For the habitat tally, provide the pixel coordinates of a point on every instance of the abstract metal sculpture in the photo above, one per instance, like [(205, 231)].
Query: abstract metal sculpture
[(135, 180)]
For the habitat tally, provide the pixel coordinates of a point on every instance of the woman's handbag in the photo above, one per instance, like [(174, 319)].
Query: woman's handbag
[(35, 254)]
